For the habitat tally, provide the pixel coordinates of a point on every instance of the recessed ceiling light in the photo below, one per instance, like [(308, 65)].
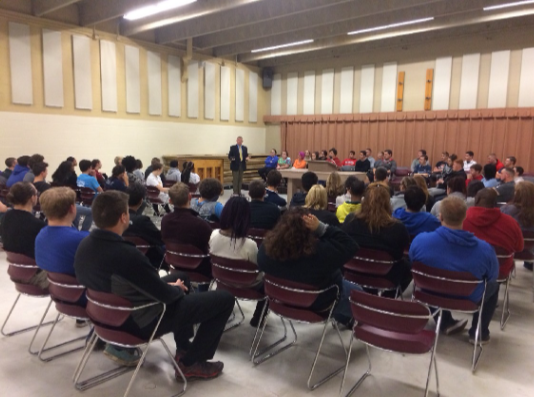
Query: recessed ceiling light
[(160, 6), (517, 3), (393, 25), (276, 47)]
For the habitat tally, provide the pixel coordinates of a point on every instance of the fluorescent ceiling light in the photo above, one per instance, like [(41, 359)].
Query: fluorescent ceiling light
[(276, 47), (393, 25), (517, 3), (160, 6)]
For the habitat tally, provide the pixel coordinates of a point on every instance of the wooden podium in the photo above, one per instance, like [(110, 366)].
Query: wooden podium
[(321, 166), (294, 175)]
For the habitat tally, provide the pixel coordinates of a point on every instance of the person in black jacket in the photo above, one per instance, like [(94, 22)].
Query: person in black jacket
[(105, 262), (308, 179), (363, 164), (317, 203), (238, 156), (143, 227), (302, 249), (263, 215), (374, 227)]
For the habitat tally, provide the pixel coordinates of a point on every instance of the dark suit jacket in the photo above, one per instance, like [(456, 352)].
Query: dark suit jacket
[(234, 153)]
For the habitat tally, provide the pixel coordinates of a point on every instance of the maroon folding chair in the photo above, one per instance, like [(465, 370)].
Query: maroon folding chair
[(504, 278), (193, 189), (396, 178), (141, 244), (391, 325), (449, 290), (21, 270), (258, 235), (368, 268), (108, 313), (187, 258), (65, 292), (214, 225), (169, 184), (527, 254), (87, 195), (152, 196), (292, 301)]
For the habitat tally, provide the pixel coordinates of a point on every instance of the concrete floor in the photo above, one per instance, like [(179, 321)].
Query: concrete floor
[(506, 367)]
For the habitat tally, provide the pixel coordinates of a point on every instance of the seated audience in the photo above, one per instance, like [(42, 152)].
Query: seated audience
[(423, 167), (369, 155), (350, 162), (188, 174), (362, 164), (417, 161), (487, 222), (415, 220), (119, 179), (381, 176), (442, 163), (509, 162), (150, 168), (19, 171), (308, 179), (85, 179), (388, 163), (506, 189), (130, 164), (302, 249), (335, 189), (472, 189), (317, 204), (379, 162), (519, 171), (20, 227), (174, 173), (35, 159), (421, 182), (65, 175), (270, 164), (475, 174), (138, 172), (183, 225), (489, 179), (468, 161), (332, 157), (208, 206), (96, 166), (106, 263), (355, 189), (315, 156), (397, 201), (307, 155), (451, 248), (10, 162), (143, 227), (284, 161), (40, 171), (455, 188), (493, 160), (323, 155), (521, 208), (274, 178), (300, 163), (117, 160), (263, 214), (154, 180), (374, 227), (230, 241), (457, 171)]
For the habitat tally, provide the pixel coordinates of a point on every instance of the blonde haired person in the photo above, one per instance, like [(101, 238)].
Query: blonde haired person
[(374, 227), (421, 182), (117, 160), (317, 202), (335, 189)]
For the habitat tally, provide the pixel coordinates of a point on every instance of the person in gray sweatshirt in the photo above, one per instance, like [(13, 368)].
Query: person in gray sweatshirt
[(174, 173)]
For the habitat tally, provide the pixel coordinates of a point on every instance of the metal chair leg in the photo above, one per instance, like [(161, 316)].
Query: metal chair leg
[(363, 377), (176, 367), (478, 343), (506, 305), (258, 327), (235, 325), (41, 323), (44, 349), (20, 331), (334, 373), (433, 356), (271, 353)]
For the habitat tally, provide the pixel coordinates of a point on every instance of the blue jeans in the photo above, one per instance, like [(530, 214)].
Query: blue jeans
[(343, 312), (88, 220)]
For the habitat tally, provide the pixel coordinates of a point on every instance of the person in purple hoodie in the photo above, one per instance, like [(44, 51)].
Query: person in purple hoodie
[(451, 248), (416, 222), (20, 170)]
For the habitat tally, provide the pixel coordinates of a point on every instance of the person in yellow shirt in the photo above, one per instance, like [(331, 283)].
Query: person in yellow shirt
[(356, 189), (300, 163)]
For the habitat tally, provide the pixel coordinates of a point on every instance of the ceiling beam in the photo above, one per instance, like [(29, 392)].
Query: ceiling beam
[(196, 10), (42, 7), (97, 11), (246, 15), (305, 20), (454, 21)]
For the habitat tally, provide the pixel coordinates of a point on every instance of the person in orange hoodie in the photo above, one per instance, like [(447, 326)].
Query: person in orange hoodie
[(300, 163), (488, 223)]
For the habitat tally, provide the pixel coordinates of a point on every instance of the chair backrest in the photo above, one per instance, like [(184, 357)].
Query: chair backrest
[(21, 267), (402, 171), (168, 183), (141, 244), (371, 262), (152, 191), (183, 256), (234, 272), (389, 314), (446, 282), (64, 287), (192, 187), (87, 195), (502, 255), (292, 293), (107, 309), (258, 235), (214, 225), (528, 238)]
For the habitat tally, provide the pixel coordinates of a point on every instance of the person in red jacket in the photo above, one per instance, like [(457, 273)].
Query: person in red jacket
[(332, 157), (488, 223), (351, 160), (492, 159), (475, 174)]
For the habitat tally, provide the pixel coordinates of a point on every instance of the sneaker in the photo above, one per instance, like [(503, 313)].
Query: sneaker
[(484, 340), (202, 370), (81, 323), (124, 357), (528, 265), (455, 328)]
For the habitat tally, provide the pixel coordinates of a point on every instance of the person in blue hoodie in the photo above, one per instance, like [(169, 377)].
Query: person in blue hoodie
[(270, 164), (451, 248), (21, 169), (308, 179), (416, 222)]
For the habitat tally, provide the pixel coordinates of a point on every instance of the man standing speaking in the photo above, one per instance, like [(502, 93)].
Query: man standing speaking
[(238, 156)]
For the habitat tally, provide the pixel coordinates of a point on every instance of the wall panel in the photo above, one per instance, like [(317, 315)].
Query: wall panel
[(252, 97), (498, 82), (83, 86), (192, 90), (20, 62), (309, 92), (53, 68), (292, 93), (389, 87), (108, 75), (367, 88), (442, 84), (346, 90), (239, 94), (133, 81), (469, 81), (174, 88), (276, 95), (225, 94), (327, 91), (526, 81), (209, 90)]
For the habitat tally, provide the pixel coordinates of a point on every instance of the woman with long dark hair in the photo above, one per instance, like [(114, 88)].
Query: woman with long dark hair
[(188, 174), (64, 175), (230, 241), (300, 248)]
